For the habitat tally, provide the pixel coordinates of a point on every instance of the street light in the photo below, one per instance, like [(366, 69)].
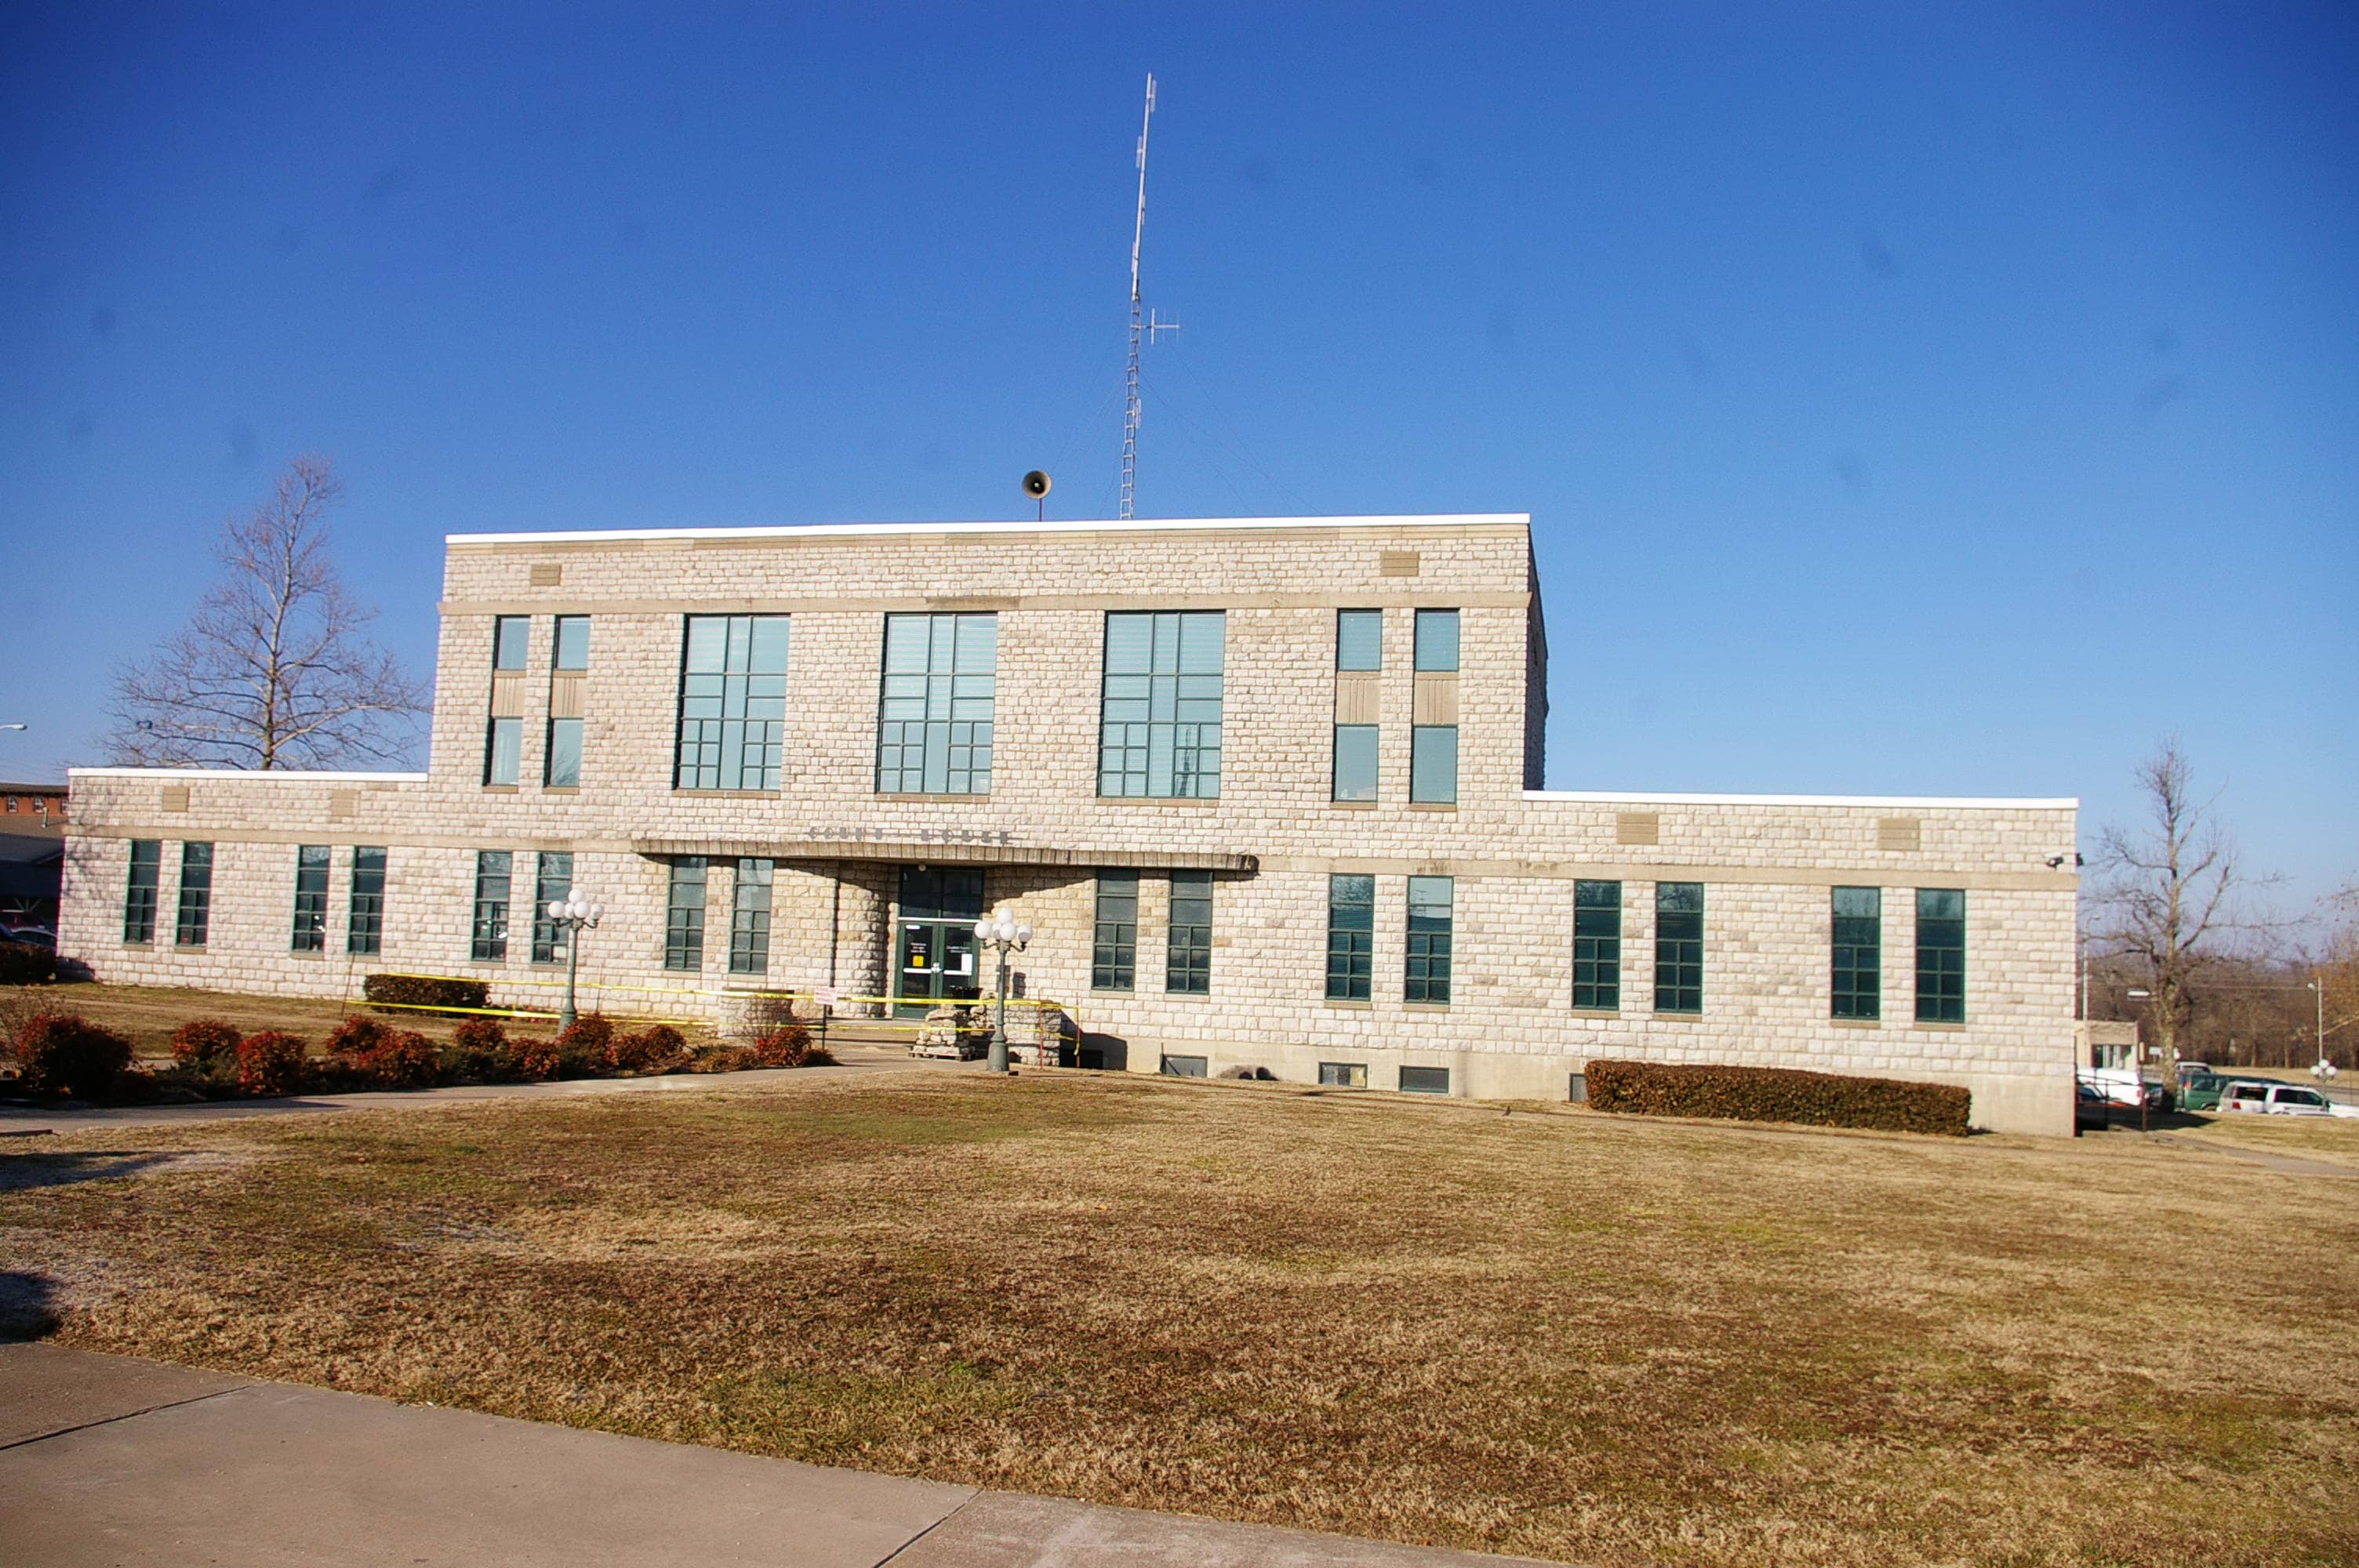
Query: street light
[(2321, 1070), (1001, 934), (574, 915)]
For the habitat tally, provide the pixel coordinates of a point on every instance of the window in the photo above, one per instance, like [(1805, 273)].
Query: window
[(749, 918), (1428, 940), (1678, 946), (1359, 639), (933, 728), (1351, 937), (1185, 1066), (310, 933), (364, 912), (1433, 764), (1597, 945), (491, 928), (732, 702), (196, 910), (552, 880), (139, 890), (684, 915), (573, 653), (1940, 955), (1355, 762), (1188, 952), (1344, 1074), (1114, 950), (510, 635), (1437, 640), (1858, 983), (1425, 1080), (503, 751), (564, 771), (1159, 723)]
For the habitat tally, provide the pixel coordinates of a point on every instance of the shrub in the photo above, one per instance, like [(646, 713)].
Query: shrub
[(23, 964), (63, 1054), (480, 1050), (536, 1058), (201, 1040), (481, 1034), (1777, 1094), (359, 1036), (789, 1046), (270, 1062), (658, 1046), (406, 1061), (584, 1050), (412, 992), (723, 1059)]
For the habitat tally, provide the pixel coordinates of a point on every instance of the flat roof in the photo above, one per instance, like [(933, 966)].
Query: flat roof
[(1097, 525), (290, 775), (1925, 802)]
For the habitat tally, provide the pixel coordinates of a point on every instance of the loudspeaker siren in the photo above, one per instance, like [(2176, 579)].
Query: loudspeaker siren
[(1036, 483)]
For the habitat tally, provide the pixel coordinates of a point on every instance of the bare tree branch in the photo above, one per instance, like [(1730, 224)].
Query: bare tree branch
[(275, 668)]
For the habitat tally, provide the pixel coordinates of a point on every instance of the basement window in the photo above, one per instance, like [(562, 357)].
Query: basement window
[(1425, 1080), (1344, 1074), (1185, 1066)]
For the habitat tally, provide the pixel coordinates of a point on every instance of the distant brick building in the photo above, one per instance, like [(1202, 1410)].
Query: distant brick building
[(1268, 789), (33, 808)]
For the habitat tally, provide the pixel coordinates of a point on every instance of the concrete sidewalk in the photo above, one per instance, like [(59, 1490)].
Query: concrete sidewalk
[(109, 1460)]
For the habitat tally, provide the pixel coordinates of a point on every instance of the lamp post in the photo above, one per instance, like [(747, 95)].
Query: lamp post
[(1001, 934), (574, 915), (2322, 1069)]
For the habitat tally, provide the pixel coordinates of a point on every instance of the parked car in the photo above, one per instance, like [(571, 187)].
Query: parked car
[(2202, 1090), (30, 936), (2091, 1109), (2123, 1086), (2281, 1099)]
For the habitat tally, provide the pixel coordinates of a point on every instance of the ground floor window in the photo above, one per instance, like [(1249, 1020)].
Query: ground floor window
[(1597, 945), (1114, 948), (1188, 952), (493, 870), (1185, 1066), (1940, 955), (193, 919), (310, 933), (139, 890), (1678, 946), (1425, 1080), (364, 910), (1429, 939), (749, 920), (1344, 1074), (1858, 953), (684, 915), (552, 881), (1351, 937)]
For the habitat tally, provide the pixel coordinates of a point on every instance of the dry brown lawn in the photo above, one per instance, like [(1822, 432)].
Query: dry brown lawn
[(146, 1015), (1547, 1332)]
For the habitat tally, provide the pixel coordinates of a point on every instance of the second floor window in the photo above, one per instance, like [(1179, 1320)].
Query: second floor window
[(732, 702), (1159, 731), (933, 725), (561, 762), (1355, 762), (504, 739)]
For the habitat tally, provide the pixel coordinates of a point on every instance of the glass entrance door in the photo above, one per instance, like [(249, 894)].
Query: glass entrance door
[(934, 945)]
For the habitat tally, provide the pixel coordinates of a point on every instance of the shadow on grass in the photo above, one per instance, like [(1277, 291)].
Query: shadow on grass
[(23, 1173), (27, 1307)]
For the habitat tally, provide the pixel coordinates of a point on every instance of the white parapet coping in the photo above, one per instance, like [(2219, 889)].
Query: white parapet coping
[(1888, 802), (290, 775), (1098, 526)]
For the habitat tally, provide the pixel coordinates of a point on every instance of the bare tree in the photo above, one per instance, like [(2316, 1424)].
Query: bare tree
[(2168, 896), (275, 669)]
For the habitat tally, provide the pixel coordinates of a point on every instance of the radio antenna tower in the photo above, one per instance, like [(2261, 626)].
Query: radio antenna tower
[(1151, 326)]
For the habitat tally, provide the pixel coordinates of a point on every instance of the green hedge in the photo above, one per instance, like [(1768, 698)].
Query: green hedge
[(410, 992), (1777, 1094)]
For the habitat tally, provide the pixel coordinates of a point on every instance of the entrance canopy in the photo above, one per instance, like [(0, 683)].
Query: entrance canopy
[(948, 847)]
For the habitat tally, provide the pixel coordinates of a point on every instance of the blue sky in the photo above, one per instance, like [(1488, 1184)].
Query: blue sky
[(1948, 402)]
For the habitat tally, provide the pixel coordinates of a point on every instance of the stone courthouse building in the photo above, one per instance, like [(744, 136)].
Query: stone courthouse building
[(1268, 791)]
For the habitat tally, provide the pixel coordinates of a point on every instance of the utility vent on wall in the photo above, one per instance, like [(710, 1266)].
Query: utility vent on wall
[(176, 797), (1898, 833), (1638, 827), (547, 574), (1397, 563)]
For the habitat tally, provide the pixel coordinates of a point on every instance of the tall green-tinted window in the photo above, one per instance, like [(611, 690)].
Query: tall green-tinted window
[(1351, 937), (1188, 950), (494, 868), (552, 880), (1429, 939), (503, 740), (572, 652), (1355, 762), (1159, 722), (684, 915), (510, 636), (1433, 764), (732, 702), (1113, 947), (1597, 945), (310, 933), (1678, 946), (139, 890), (364, 906), (193, 919), (562, 767), (749, 921), (1940, 955), (1437, 640), (1858, 953), (1359, 639), (933, 728)]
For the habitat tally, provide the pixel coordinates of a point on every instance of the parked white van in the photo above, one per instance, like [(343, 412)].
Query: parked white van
[(2281, 1099)]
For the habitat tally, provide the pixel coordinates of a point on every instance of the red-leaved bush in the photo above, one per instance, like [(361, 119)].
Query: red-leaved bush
[(407, 1060), (200, 1042), (536, 1058), (64, 1054), (359, 1036), (657, 1046), (789, 1046), (1777, 1094), (270, 1062), (480, 1034)]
